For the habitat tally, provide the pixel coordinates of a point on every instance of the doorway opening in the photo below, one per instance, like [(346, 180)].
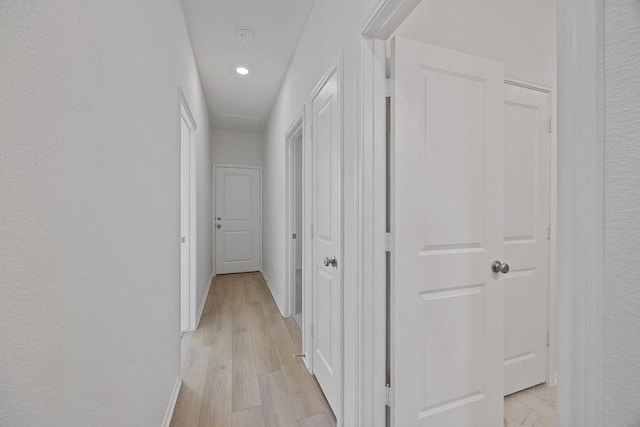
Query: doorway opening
[(187, 220), (523, 358), (294, 219)]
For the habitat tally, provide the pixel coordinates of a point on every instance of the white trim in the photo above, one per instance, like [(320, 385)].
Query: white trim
[(372, 299), (295, 131), (387, 17), (204, 300), (273, 293), (186, 111), (171, 406), (580, 212), (213, 208)]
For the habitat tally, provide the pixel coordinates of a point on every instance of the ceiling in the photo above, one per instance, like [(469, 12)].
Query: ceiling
[(244, 102)]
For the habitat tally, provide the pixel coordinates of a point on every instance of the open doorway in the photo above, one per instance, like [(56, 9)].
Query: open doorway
[(294, 218), (464, 269)]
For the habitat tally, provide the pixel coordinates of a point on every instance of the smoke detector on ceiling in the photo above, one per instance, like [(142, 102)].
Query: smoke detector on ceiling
[(246, 34)]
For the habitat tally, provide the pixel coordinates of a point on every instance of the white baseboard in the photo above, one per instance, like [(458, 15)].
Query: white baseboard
[(172, 402), (204, 300), (273, 294)]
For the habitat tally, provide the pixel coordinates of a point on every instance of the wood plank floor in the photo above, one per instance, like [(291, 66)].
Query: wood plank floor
[(533, 407), (239, 368)]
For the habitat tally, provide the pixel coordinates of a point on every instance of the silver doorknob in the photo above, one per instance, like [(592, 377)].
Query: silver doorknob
[(219, 218), (499, 267), (219, 226), (330, 261)]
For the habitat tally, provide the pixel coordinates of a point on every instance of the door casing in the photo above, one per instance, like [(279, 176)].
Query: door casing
[(295, 131), (189, 208)]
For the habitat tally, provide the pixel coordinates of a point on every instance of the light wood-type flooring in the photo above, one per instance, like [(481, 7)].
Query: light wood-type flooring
[(533, 407), (239, 369)]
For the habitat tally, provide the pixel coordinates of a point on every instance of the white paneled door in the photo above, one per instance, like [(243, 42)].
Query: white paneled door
[(237, 220), (326, 264), (447, 224), (527, 149)]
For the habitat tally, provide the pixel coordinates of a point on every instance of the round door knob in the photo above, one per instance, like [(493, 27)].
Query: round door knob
[(330, 261), (219, 218), (218, 226), (499, 267)]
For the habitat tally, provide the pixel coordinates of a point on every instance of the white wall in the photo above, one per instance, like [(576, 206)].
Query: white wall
[(204, 202), (237, 148), (621, 300), (90, 217), (519, 34)]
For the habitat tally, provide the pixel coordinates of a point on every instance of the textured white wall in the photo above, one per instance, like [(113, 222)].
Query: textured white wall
[(90, 215), (621, 304), (237, 148)]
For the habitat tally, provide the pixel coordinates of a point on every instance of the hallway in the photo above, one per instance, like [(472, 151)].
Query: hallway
[(239, 368)]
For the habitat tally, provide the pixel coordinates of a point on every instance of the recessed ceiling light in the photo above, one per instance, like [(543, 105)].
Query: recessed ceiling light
[(243, 71)]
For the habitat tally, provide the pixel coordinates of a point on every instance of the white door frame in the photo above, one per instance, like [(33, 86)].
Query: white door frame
[(578, 172), (295, 131), (188, 172), (337, 68), (214, 207)]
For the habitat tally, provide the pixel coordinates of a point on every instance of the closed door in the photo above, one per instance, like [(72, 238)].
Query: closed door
[(447, 230), (526, 215), (326, 261), (237, 220), (185, 225)]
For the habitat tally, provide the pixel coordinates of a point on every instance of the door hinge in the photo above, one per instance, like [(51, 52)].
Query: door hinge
[(547, 338), (387, 242), (294, 236), (550, 124), (549, 232), (385, 87), (387, 395), (312, 331), (311, 231)]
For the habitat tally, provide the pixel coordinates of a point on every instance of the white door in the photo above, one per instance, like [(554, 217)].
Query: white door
[(526, 215), (447, 226), (185, 225), (326, 237), (237, 220)]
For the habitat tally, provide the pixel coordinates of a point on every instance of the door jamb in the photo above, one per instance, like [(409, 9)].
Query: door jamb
[(295, 131), (188, 305)]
